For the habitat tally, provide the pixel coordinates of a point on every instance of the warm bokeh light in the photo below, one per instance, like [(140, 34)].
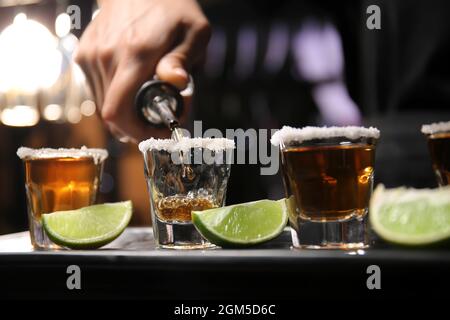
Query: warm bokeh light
[(53, 112), (73, 115), (87, 108), (20, 116), (69, 43), (20, 18), (62, 25), (29, 58)]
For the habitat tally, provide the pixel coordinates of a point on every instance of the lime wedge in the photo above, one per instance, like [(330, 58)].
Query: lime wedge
[(89, 227), (413, 217), (243, 224)]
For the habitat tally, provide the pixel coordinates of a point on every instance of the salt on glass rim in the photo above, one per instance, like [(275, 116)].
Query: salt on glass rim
[(288, 134), (436, 127), (98, 155), (184, 144)]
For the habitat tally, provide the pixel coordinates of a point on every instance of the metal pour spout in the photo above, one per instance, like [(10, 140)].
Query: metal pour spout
[(159, 103)]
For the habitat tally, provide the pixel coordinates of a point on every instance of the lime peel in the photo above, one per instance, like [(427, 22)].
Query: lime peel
[(243, 224), (410, 216), (89, 227)]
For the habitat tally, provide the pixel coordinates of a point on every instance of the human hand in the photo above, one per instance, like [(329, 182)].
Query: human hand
[(129, 42)]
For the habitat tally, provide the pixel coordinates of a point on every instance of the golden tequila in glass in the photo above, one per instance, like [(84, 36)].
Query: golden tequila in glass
[(328, 176), (178, 208), (57, 180), (182, 176), (438, 135)]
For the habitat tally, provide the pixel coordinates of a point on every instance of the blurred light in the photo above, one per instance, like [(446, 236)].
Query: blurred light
[(358, 252), (247, 45), (87, 108), (335, 105), (73, 115), (62, 25), (215, 55), (29, 59), (15, 3), (20, 17), (69, 43), (318, 52), (277, 48), (319, 59), (20, 116), (95, 13), (53, 112)]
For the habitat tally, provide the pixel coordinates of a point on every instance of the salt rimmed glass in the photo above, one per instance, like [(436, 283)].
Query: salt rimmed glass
[(191, 174), (328, 177), (438, 137), (57, 180)]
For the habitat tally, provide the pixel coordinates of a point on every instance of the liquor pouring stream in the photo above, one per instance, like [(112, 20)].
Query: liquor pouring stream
[(160, 104)]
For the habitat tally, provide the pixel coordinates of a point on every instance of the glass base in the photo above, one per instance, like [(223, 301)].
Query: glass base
[(345, 235), (179, 236), (40, 240), (188, 246)]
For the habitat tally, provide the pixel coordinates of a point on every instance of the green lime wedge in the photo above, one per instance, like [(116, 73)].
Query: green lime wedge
[(89, 227), (412, 217), (243, 224)]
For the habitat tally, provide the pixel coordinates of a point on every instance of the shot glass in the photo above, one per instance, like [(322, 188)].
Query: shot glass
[(328, 177), (56, 180), (184, 176), (438, 136)]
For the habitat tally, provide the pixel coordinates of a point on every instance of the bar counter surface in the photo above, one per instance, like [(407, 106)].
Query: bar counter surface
[(131, 268)]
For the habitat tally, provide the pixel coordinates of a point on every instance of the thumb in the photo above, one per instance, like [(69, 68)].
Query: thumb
[(171, 68)]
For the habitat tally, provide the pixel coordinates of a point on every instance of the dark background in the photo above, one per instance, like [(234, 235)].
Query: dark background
[(397, 76)]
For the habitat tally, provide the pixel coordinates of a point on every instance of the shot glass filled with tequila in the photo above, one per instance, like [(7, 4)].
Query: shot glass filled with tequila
[(56, 180), (438, 135), (184, 175), (328, 177)]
